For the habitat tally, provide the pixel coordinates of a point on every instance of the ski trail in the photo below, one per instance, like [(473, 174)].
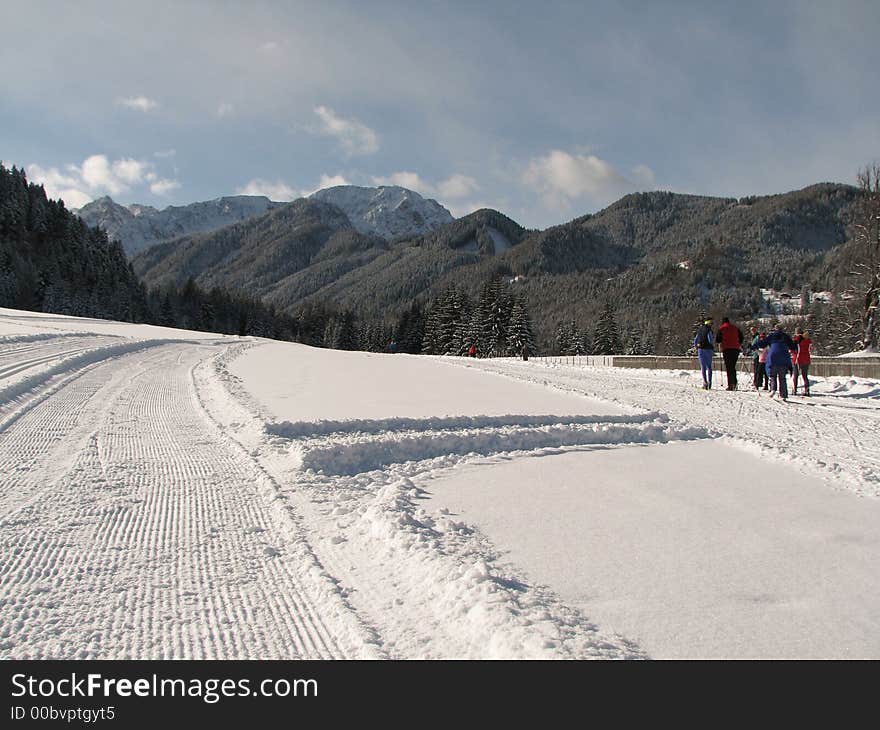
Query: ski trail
[(130, 529)]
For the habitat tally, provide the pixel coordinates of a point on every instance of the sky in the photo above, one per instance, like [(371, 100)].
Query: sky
[(544, 111)]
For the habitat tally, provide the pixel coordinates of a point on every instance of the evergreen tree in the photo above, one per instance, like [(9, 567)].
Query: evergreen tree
[(520, 337), (446, 324), (410, 329), (607, 339), (568, 340)]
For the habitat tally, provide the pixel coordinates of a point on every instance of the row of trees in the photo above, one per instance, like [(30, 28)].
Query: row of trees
[(497, 324), (835, 327), (867, 265)]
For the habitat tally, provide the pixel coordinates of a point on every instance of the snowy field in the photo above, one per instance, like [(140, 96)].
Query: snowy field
[(172, 494)]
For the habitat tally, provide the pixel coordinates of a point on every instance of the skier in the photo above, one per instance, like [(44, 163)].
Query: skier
[(802, 359), (763, 377), (730, 337), (392, 347), (798, 334), (704, 341), (779, 359), (472, 351), (755, 352)]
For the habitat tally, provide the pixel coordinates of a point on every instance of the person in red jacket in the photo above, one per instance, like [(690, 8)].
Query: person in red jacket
[(730, 339), (805, 345)]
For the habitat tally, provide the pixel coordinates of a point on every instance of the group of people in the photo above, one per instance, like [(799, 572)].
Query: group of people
[(775, 356)]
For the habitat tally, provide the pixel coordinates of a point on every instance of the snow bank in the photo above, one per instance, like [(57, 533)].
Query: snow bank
[(6, 340), (849, 387), (310, 429), (353, 457)]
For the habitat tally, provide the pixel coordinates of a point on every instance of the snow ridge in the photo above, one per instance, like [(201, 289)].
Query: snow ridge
[(311, 429), (356, 457), (387, 211)]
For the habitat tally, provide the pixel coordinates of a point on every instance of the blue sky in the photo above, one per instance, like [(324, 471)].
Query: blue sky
[(545, 111)]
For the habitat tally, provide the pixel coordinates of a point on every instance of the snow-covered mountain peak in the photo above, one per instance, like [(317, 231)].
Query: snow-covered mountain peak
[(140, 226), (389, 211), (138, 210)]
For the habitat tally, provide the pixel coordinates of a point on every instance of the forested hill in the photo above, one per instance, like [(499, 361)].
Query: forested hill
[(308, 250), (663, 258), (51, 261), (660, 258)]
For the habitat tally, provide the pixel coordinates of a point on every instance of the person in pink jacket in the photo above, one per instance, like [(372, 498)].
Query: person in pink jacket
[(802, 359)]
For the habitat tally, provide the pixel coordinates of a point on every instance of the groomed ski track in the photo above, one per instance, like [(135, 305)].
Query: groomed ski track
[(132, 528)]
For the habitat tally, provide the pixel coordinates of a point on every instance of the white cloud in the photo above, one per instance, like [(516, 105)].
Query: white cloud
[(354, 137), (330, 181), (164, 186), (59, 185), (461, 209), (130, 171), (277, 190), (138, 103), (280, 190), (225, 109), (455, 186), (404, 179), (96, 176), (51, 178), (562, 178)]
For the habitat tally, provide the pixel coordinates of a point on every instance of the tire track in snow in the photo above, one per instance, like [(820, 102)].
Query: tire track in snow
[(152, 540)]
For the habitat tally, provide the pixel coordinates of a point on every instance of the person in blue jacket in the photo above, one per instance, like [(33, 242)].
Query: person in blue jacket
[(704, 341), (778, 359)]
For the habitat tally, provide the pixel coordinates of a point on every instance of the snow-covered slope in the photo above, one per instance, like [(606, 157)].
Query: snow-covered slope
[(389, 211), (172, 494), (140, 226)]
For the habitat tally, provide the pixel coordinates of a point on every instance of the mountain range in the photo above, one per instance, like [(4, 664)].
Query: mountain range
[(138, 227), (387, 211), (660, 257)]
